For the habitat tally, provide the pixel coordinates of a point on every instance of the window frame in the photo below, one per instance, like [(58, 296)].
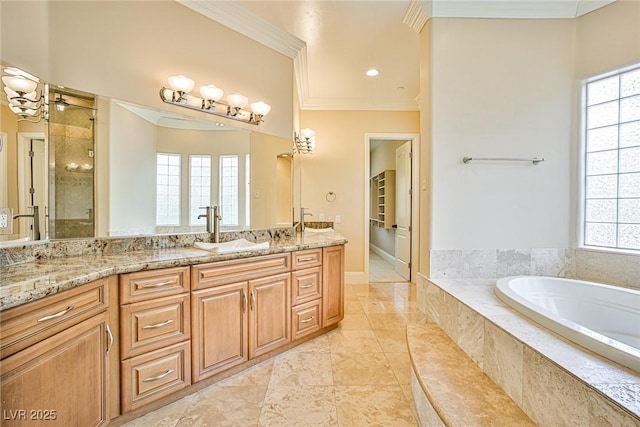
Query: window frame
[(179, 156), (583, 165)]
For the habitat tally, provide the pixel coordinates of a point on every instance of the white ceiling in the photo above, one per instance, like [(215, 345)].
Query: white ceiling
[(333, 42)]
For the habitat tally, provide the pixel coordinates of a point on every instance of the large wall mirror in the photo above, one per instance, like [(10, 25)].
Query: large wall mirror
[(104, 167)]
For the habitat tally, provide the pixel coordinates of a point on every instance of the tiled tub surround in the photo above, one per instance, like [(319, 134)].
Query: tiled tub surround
[(48, 268), (488, 263), (611, 268), (554, 381)]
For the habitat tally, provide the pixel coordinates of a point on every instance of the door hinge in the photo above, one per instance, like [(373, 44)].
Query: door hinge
[(411, 154), (32, 154), (409, 265)]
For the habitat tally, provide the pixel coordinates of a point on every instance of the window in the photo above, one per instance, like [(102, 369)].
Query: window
[(167, 189), (612, 162), (199, 187), (229, 189)]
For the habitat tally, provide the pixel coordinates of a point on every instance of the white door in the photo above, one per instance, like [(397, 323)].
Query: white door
[(403, 210)]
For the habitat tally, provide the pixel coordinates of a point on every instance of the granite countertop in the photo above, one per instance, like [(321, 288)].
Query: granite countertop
[(30, 281)]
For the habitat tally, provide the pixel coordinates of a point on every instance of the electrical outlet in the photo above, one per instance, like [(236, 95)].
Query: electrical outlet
[(6, 221), (321, 217), (338, 219)]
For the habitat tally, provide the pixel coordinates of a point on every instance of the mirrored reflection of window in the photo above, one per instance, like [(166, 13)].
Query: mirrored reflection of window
[(168, 189), (199, 187), (612, 161), (229, 189)]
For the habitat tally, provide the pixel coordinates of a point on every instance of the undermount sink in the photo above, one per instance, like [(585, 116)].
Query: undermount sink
[(238, 245), (318, 230)]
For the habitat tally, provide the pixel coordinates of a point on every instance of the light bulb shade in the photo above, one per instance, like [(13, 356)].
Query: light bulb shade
[(211, 93), (19, 84), (236, 100), (31, 96), (23, 111), (307, 133), (260, 108), (25, 104), (181, 83)]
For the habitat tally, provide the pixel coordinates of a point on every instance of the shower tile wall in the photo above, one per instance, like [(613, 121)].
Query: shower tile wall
[(71, 142)]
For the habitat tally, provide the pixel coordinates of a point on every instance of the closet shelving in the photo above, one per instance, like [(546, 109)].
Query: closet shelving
[(383, 199)]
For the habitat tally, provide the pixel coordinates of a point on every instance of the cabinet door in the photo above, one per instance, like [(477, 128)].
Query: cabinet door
[(60, 381), (333, 285), (220, 329), (270, 307)]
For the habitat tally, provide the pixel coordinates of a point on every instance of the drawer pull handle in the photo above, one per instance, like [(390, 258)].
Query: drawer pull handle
[(158, 325), (159, 377), (306, 286), (53, 316), (308, 320), (309, 258), (158, 285)]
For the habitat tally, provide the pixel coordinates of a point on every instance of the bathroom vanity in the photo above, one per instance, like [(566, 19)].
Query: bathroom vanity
[(87, 338)]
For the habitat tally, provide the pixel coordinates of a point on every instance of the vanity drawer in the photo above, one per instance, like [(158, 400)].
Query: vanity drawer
[(307, 258), (27, 324), (238, 270), (154, 324), (306, 319), (145, 285), (306, 285), (154, 375)]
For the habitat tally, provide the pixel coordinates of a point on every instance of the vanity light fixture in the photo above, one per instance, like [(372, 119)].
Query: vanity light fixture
[(210, 101), (26, 95), (305, 142)]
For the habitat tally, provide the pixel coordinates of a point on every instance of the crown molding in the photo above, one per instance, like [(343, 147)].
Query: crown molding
[(515, 9), (417, 14), (240, 19)]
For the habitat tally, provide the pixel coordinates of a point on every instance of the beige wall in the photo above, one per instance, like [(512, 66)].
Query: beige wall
[(338, 165), (501, 88), (127, 49), (425, 150), (608, 38)]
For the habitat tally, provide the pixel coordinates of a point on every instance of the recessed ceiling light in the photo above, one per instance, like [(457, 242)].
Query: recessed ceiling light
[(372, 72)]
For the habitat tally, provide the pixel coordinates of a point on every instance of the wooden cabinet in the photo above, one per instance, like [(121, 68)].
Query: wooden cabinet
[(240, 311), (220, 324), (332, 285), (383, 199), (269, 324), (306, 293), (62, 376), (155, 329)]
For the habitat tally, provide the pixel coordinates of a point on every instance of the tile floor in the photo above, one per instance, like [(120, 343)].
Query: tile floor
[(355, 375), (381, 271)]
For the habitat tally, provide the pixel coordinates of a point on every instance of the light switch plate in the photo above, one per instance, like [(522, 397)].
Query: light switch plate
[(6, 221)]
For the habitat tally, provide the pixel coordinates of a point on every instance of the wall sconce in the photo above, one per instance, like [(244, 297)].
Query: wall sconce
[(60, 103), (27, 96), (305, 142), (210, 101)]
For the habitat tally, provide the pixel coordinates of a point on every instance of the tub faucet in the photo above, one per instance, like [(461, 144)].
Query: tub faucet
[(213, 221), (36, 221)]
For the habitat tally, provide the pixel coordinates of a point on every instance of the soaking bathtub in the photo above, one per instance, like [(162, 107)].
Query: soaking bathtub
[(604, 319)]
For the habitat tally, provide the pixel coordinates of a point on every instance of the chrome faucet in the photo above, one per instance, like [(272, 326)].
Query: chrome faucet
[(36, 221), (213, 221), (302, 215)]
